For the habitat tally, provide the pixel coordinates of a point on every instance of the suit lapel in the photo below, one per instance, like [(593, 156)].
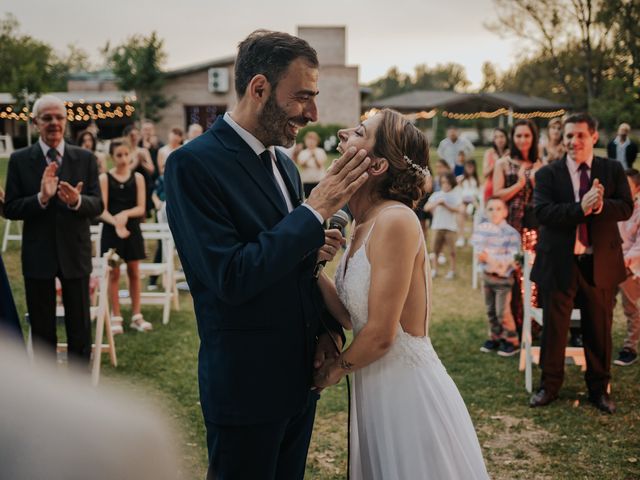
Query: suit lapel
[(252, 164), (597, 170), (566, 185), (294, 193)]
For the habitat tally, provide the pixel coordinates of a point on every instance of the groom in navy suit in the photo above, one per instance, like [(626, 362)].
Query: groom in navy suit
[(249, 246)]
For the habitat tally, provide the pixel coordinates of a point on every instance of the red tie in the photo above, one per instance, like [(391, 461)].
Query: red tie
[(583, 231)]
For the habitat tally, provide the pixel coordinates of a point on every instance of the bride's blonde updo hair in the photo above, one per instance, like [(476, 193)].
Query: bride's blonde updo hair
[(396, 138)]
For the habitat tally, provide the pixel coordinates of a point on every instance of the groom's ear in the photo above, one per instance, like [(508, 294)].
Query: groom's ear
[(259, 88), (378, 166)]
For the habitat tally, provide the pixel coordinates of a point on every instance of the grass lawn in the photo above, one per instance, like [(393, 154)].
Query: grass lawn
[(567, 440)]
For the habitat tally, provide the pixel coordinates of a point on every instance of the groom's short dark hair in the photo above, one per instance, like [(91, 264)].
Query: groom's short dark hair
[(270, 54)]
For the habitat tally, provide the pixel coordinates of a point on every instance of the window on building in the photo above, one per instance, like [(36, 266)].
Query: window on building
[(204, 115)]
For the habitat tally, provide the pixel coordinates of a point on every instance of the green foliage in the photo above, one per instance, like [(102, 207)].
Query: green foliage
[(27, 64), (138, 65), (449, 76), (325, 131)]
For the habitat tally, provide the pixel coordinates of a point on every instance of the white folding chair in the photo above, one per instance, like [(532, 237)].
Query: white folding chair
[(100, 313), (530, 354), (164, 269), (8, 236), (96, 238), (476, 272)]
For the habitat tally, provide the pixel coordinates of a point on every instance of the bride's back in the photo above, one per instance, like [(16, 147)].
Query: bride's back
[(407, 267)]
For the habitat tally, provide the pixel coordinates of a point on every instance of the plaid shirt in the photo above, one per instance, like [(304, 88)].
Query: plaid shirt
[(502, 244)]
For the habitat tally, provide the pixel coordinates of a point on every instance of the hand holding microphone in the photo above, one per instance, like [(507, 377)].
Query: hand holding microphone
[(333, 240)]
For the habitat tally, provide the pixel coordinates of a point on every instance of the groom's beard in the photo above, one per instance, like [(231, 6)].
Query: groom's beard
[(273, 124)]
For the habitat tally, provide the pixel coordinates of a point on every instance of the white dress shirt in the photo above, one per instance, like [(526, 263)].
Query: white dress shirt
[(574, 173), (257, 146)]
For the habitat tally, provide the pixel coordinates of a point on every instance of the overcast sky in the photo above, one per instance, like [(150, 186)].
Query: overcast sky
[(380, 33)]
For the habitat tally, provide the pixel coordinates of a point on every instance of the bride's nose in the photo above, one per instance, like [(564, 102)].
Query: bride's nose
[(342, 135)]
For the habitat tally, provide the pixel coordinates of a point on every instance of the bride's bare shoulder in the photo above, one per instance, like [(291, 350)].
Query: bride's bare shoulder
[(396, 228)]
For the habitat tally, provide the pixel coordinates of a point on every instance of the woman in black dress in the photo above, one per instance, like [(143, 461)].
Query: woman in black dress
[(123, 194)]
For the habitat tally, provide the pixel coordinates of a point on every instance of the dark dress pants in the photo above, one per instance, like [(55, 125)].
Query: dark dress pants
[(267, 451), (41, 305), (596, 315)]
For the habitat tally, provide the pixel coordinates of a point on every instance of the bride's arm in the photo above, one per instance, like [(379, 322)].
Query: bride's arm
[(392, 252), (332, 301)]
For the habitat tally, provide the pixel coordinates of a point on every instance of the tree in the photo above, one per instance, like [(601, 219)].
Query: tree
[(28, 65), (25, 63), (490, 78), (449, 76), (555, 27), (138, 65)]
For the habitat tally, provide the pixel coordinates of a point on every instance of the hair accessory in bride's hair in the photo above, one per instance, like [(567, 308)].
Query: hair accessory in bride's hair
[(424, 171)]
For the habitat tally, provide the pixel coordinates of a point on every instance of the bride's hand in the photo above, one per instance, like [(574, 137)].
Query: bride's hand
[(326, 375), (333, 240)]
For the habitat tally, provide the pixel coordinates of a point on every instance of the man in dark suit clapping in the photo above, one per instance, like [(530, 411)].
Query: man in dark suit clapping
[(53, 187), (578, 202)]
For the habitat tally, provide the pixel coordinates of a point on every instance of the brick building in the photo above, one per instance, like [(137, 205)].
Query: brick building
[(199, 93)]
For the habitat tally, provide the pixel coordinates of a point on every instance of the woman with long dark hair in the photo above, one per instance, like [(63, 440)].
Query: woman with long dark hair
[(513, 181), (499, 148)]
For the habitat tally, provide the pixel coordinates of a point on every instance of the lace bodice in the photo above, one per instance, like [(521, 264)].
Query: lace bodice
[(353, 290)]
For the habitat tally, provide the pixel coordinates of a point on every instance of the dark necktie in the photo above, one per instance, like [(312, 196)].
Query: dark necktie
[(268, 164), (52, 155), (583, 231)]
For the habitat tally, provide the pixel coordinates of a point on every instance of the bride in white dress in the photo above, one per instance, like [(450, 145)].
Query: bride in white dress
[(408, 420)]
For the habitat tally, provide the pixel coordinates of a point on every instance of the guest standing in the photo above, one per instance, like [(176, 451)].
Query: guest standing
[(513, 182), (499, 148), (311, 161), (123, 194), (578, 202), (452, 145), (88, 141), (622, 148), (553, 148), (8, 314), (53, 187)]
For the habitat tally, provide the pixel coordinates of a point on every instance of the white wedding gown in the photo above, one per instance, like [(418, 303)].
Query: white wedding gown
[(408, 420)]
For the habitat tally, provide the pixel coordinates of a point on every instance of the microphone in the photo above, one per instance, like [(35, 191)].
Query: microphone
[(338, 220)]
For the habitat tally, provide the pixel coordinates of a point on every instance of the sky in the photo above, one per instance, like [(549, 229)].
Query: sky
[(380, 33)]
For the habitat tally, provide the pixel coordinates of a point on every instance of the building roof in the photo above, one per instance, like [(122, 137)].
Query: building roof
[(454, 102), (220, 62)]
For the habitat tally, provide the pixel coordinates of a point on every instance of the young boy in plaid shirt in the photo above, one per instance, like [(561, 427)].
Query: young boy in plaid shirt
[(497, 243)]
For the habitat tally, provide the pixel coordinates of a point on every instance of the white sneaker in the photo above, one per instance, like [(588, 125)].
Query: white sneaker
[(450, 275), (140, 324), (460, 242), (442, 259), (116, 325)]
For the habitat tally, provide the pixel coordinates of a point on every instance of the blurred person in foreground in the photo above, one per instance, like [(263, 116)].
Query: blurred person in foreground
[(249, 248), (194, 131), (58, 427), (578, 201), (53, 187)]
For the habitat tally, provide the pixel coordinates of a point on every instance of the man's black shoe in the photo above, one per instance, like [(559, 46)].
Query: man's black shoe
[(603, 403), (542, 398)]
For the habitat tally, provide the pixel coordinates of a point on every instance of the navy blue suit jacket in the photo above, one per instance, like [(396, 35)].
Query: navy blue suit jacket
[(249, 264)]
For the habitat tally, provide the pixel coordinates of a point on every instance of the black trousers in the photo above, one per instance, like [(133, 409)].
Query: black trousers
[(268, 451), (41, 305), (596, 315)]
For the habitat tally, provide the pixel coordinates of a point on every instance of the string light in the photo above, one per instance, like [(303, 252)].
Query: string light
[(424, 115), (83, 112)]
